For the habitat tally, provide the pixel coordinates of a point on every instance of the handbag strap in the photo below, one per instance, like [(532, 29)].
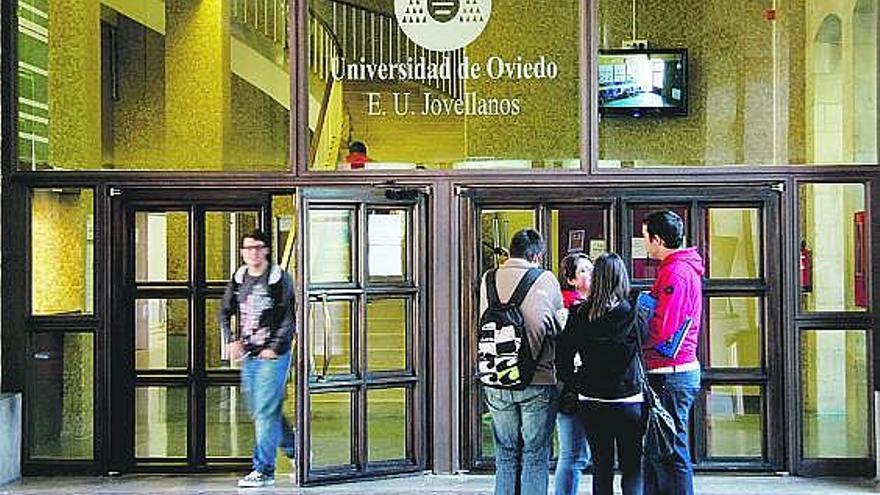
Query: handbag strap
[(648, 393)]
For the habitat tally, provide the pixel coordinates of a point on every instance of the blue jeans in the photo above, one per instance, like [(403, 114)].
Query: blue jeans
[(676, 392), (574, 453), (263, 383), (522, 422), (615, 428)]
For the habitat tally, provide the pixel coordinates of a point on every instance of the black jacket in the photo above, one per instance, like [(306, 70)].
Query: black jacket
[(277, 319), (608, 350)]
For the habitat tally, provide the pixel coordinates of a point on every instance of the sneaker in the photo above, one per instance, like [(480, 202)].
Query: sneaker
[(256, 479)]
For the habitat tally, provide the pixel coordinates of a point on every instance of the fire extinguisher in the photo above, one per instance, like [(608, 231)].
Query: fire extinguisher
[(806, 262)]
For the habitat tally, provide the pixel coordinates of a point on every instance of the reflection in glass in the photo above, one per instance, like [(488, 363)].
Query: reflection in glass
[(284, 231), (529, 118), (61, 404), (487, 437), (496, 229), (386, 245), (167, 85), (642, 266), (576, 230), (735, 332), (223, 231), (62, 251), (387, 334), (161, 246), (386, 424), (161, 333), (229, 428), (761, 100), (215, 348), (835, 394), (330, 425), (330, 246), (160, 422), (330, 322), (734, 243), (833, 254), (735, 421)]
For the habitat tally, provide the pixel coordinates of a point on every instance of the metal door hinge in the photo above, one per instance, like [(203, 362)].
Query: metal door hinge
[(780, 187), (115, 191)]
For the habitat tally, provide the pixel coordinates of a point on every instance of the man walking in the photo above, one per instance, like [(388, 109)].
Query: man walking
[(261, 294), (523, 417), (673, 370)]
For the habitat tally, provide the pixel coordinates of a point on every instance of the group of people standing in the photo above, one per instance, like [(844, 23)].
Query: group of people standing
[(596, 357)]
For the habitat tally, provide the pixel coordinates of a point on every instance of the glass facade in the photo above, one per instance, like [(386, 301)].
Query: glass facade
[(765, 83), (174, 85)]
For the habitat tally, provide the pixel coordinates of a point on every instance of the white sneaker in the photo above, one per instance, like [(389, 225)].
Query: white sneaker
[(256, 479)]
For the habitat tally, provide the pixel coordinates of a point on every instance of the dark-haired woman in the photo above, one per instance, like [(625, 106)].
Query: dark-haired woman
[(575, 273), (604, 333)]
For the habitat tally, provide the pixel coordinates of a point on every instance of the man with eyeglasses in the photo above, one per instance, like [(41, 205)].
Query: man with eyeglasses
[(261, 294)]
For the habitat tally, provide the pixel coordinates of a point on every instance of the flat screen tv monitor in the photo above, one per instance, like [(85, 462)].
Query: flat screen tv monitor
[(639, 83)]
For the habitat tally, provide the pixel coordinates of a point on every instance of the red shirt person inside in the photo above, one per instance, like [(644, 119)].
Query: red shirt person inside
[(357, 155)]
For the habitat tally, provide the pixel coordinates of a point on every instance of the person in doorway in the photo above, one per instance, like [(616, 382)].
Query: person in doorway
[(575, 272), (261, 295), (522, 419), (673, 374), (357, 155), (605, 332)]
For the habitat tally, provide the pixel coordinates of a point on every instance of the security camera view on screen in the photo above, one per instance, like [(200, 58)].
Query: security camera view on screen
[(652, 82)]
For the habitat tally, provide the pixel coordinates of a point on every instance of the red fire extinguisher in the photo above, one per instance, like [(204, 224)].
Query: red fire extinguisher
[(806, 263)]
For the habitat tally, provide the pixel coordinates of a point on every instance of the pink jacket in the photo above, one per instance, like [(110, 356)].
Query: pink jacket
[(679, 292)]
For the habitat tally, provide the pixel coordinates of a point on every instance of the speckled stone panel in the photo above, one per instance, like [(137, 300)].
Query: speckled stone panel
[(75, 84), (549, 125)]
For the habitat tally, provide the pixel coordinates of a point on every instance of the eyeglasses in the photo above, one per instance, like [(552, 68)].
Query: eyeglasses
[(253, 248)]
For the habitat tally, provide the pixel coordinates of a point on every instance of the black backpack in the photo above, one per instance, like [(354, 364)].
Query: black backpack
[(505, 357)]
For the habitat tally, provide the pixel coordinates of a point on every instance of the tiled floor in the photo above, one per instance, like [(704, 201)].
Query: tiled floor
[(452, 485)]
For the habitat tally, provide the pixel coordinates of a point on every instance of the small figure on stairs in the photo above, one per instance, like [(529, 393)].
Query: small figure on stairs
[(357, 155)]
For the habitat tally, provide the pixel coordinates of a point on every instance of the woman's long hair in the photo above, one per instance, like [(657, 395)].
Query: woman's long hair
[(610, 285)]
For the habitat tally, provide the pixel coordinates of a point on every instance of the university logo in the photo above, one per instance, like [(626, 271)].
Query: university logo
[(442, 25)]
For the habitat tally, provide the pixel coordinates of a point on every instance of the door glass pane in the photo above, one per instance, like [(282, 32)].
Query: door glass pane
[(284, 231), (62, 251), (733, 243), (576, 230), (330, 246), (216, 356), (386, 424), (161, 333), (161, 246), (229, 428), (735, 332), (642, 266), (331, 322), (387, 246), (836, 411), (160, 421), (735, 421), (223, 231), (330, 423), (834, 247), (61, 404), (387, 334), (496, 229), (153, 85)]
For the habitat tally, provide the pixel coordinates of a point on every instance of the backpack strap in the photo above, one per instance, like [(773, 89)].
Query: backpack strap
[(524, 286), (492, 289)]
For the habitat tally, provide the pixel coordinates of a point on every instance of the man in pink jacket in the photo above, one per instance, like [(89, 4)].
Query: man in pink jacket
[(673, 370)]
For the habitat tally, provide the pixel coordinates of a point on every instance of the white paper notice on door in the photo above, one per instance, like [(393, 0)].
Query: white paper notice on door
[(387, 240)]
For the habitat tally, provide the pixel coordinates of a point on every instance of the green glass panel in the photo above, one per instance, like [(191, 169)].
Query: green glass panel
[(330, 246), (161, 333), (386, 424), (735, 421), (735, 332), (330, 424), (229, 428), (834, 396), (387, 334), (161, 246), (160, 422), (734, 243), (61, 405)]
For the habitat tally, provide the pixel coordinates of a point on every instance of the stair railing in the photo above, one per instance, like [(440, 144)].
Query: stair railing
[(324, 54), (266, 17)]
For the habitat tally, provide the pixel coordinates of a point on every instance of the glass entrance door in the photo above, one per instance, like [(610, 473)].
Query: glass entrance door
[(173, 378), (363, 390)]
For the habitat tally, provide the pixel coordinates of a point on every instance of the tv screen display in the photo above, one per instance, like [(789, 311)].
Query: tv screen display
[(643, 82)]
